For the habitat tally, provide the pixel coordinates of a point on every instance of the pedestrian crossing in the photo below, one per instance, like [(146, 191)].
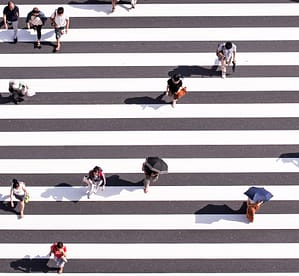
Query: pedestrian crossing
[(100, 102)]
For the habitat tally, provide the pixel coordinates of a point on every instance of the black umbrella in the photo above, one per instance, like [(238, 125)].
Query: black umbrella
[(258, 194), (156, 164)]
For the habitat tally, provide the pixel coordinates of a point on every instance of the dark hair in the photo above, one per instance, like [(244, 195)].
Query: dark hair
[(228, 45), (97, 169), (35, 10), (59, 244), (60, 10), (10, 2), (176, 77), (15, 183)]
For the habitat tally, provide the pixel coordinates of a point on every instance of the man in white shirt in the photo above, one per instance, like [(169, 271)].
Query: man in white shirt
[(61, 23), (226, 53)]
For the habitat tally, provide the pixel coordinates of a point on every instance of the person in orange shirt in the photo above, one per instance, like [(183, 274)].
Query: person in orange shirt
[(252, 208), (59, 251)]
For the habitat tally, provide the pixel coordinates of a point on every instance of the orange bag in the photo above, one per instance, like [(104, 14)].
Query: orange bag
[(181, 93)]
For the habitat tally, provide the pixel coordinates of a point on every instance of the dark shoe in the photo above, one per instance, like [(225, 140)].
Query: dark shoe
[(15, 40)]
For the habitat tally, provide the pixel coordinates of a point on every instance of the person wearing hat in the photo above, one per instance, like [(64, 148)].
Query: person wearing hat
[(226, 53), (174, 84), (19, 191), (35, 20)]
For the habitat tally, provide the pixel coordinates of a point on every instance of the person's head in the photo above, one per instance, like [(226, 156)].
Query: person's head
[(96, 170), (176, 77), (35, 11), (15, 183), (60, 10), (11, 5), (59, 244), (228, 45)]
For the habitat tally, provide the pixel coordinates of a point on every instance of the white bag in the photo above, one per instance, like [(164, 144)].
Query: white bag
[(29, 93)]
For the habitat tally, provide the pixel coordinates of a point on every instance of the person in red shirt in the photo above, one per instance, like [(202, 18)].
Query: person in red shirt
[(59, 251)]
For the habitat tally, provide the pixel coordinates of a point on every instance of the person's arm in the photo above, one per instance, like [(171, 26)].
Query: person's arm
[(52, 18), (4, 21), (167, 90), (24, 189), (11, 197), (67, 25), (104, 181), (28, 19)]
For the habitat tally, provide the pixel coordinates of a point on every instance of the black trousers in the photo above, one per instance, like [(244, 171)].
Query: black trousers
[(38, 29)]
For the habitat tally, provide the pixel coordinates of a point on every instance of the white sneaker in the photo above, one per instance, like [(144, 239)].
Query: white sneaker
[(223, 75)]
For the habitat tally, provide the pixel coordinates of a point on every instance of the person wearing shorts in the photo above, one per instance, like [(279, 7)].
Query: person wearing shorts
[(59, 251), (61, 23), (94, 180), (226, 53), (18, 191), (149, 176), (174, 84)]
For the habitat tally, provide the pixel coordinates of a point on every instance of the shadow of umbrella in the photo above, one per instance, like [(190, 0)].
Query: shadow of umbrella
[(221, 212), (291, 157)]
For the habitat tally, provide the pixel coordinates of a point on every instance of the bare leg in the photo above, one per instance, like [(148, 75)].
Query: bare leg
[(22, 207), (147, 182)]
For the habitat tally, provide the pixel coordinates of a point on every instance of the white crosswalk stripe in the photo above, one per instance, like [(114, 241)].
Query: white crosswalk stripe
[(190, 222)]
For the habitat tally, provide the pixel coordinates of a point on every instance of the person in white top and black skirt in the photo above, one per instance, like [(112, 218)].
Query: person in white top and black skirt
[(19, 191)]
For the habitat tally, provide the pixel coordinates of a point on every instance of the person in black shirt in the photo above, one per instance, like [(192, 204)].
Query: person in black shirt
[(11, 17), (149, 176), (174, 84)]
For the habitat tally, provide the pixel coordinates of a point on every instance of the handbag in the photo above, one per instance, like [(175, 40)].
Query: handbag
[(181, 93)]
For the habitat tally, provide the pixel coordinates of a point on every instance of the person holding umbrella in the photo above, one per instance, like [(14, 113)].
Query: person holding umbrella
[(256, 197), (152, 168)]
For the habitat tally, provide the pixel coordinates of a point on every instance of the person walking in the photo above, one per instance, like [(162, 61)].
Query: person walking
[(19, 191), (58, 249), (149, 176), (35, 20), (226, 53), (252, 208), (94, 180), (174, 85), (11, 16), (61, 23), (18, 90)]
